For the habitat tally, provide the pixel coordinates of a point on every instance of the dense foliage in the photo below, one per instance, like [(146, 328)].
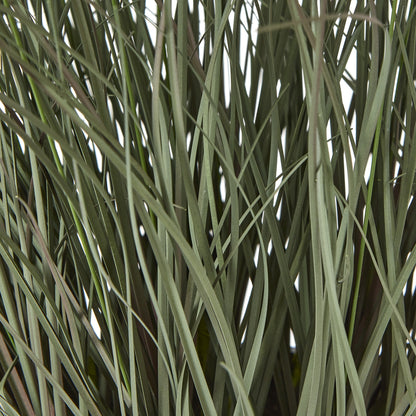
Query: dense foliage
[(207, 207)]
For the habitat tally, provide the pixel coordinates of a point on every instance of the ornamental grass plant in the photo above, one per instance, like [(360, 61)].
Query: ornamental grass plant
[(207, 207)]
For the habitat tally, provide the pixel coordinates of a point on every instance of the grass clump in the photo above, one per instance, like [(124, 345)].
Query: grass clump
[(195, 216)]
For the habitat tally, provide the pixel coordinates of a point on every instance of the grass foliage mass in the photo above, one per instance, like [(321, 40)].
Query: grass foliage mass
[(158, 159)]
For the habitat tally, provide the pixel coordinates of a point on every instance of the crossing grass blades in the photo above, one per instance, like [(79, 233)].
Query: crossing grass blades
[(207, 207)]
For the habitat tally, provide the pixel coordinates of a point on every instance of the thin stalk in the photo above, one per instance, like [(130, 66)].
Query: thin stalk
[(365, 228)]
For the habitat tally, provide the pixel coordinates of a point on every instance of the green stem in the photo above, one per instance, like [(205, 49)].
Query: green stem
[(365, 228)]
